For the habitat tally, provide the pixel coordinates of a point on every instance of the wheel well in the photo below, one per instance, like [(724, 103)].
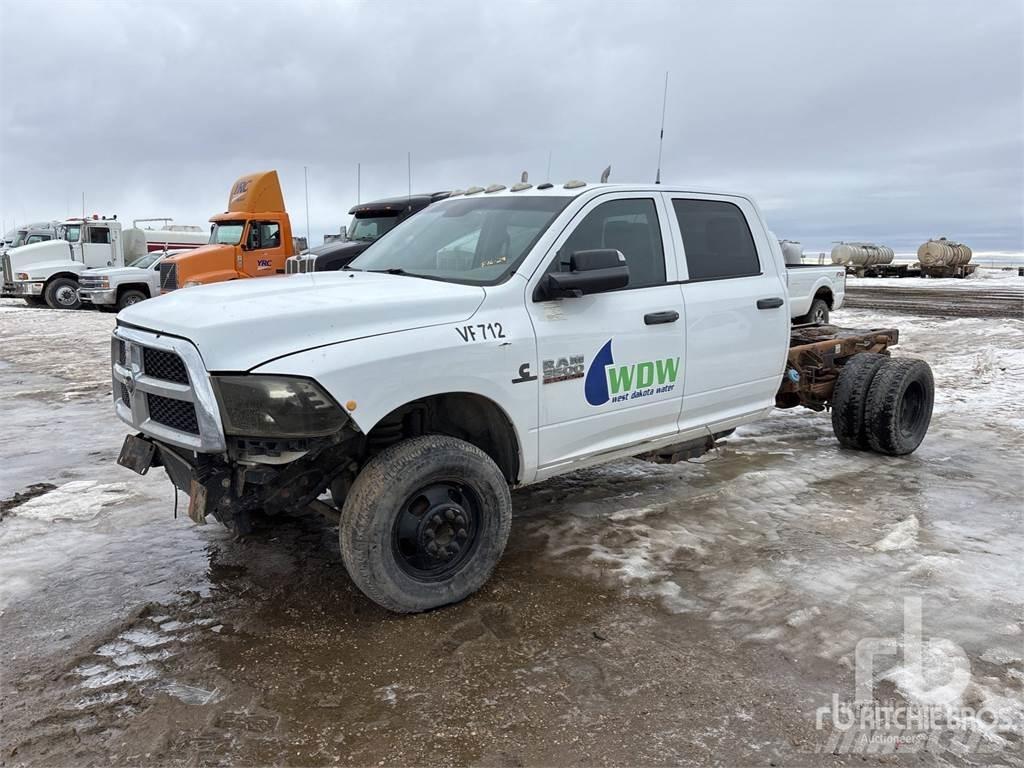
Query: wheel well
[(141, 287), (826, 295), (473, 418), (69, 275)]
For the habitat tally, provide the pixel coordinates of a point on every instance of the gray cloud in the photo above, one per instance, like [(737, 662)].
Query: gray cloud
[(886, 121)]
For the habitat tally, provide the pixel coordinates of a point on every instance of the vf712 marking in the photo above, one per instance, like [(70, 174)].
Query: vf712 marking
[(481, 332)]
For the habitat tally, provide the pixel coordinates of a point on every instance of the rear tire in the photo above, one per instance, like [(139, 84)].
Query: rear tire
[(818, 313), (62, 293), (849, 399), (899, 406), (129, 297), (425, 523)]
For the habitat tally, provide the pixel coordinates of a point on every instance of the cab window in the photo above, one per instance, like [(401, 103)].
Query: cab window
[(716, 239), (99, 235), (37, 239), (630, 227), (264, 234)]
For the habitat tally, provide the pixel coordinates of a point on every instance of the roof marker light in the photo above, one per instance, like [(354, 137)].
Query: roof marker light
[(495, 188), (520, 186), (474, 190), (456, 192), (574, 184), (545, 185)]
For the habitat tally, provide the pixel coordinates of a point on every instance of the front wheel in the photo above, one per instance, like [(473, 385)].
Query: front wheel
[(62, 293), (425, 523), (130, 297)]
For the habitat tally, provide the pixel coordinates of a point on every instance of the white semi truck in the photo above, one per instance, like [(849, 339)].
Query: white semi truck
[(492, 340), (48, 272)]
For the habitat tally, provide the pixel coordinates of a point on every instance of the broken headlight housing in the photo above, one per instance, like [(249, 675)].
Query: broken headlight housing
[(276, 406)]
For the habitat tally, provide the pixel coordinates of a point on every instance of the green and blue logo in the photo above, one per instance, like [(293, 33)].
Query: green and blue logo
[(607, 381)]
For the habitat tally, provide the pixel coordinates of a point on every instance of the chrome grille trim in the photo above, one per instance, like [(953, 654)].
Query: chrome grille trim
[(168, 276), (8, 272), (129, 372)]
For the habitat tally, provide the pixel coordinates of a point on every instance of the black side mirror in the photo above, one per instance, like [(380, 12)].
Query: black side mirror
[(594, 271)]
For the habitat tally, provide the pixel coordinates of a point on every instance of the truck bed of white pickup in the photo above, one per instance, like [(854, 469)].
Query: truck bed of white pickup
[(814, 291)]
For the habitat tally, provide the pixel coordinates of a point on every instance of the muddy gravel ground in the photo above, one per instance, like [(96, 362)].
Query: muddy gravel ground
[(699, 613)]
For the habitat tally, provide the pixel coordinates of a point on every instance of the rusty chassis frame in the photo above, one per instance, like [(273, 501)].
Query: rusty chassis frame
[(817, 354)]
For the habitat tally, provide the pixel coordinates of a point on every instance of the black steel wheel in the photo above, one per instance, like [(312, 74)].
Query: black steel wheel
[(425, 523), (436, 530)]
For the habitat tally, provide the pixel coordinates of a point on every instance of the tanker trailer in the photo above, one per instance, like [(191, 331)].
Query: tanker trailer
[(940, 257), (792, 252), (862, 259)]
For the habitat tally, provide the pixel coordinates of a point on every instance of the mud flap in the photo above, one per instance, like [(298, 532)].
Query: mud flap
[(197, 502), (136, 454)]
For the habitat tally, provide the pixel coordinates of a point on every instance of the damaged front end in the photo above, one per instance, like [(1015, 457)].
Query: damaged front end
[(235, 443)]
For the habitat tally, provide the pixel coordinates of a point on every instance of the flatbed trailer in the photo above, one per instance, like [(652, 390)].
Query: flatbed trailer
[(911, 270)]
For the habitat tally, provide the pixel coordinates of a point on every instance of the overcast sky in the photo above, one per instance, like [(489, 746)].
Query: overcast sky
[(886, 121)]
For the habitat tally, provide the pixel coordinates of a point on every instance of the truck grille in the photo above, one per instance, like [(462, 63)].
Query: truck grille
[(8, 272), (163, 365), (161, 387), (90, 281), (176, 414), (168, 276), (300, 264)]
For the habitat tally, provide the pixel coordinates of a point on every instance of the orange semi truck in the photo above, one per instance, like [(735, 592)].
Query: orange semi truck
[(252, 238)]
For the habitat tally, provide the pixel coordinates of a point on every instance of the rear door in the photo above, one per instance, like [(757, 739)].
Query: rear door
[(610, 363), (737, 316)]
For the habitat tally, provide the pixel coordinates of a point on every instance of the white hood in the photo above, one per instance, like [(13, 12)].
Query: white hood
[(240, 324), (46, 254)]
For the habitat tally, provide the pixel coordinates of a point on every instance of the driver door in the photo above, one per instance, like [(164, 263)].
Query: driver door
[(610, 364)]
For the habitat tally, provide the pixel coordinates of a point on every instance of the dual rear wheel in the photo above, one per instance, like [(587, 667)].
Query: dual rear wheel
[(883, 404)]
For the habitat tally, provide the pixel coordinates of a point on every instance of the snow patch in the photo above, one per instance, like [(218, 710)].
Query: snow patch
[(77, 500), (901, 536)]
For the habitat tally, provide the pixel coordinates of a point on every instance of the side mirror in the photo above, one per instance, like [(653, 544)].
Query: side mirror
[(593, 271)]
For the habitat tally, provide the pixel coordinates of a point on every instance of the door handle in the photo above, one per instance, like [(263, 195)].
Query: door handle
[(657, 318), (773, 303)]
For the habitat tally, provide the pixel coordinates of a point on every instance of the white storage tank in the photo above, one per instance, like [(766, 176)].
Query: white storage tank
[(862, 254), (940, 252), (792, 252)]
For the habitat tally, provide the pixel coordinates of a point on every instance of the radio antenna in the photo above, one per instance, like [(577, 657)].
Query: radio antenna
[(661, 136)]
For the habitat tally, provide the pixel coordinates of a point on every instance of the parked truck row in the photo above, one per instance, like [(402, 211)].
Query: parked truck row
[(492, 340)]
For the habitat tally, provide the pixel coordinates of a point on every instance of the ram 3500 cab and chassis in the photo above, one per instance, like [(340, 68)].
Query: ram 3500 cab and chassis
[(492, 340)]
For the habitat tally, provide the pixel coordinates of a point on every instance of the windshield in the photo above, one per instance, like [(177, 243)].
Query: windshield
[(478, 240), (19, 238), (227, 232), (71, 232), (369, 228), (146, 260)]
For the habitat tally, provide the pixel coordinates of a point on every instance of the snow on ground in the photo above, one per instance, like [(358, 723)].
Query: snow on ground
[(777, 540)]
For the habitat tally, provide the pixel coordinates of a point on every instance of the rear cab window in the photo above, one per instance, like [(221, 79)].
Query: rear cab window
[(716, 239)]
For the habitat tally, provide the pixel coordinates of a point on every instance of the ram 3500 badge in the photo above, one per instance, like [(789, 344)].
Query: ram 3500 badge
[(493, 340)]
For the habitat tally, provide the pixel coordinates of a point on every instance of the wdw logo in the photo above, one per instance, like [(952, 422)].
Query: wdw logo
[(607, 381)]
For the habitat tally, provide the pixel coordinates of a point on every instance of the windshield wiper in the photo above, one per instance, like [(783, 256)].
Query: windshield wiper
[(393, 271), (351, 269)]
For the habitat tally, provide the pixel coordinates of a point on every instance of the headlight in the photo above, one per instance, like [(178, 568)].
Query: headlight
[(104, 282), (21, 276), (276, 406)]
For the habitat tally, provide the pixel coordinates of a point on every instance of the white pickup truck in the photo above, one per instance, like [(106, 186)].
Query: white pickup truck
[(491, 341), (120, 287), (814, 291)]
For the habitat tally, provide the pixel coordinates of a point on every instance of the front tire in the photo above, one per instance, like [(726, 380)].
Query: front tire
[(62, 293), (130, 297), (899, 406), (425, 523)]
